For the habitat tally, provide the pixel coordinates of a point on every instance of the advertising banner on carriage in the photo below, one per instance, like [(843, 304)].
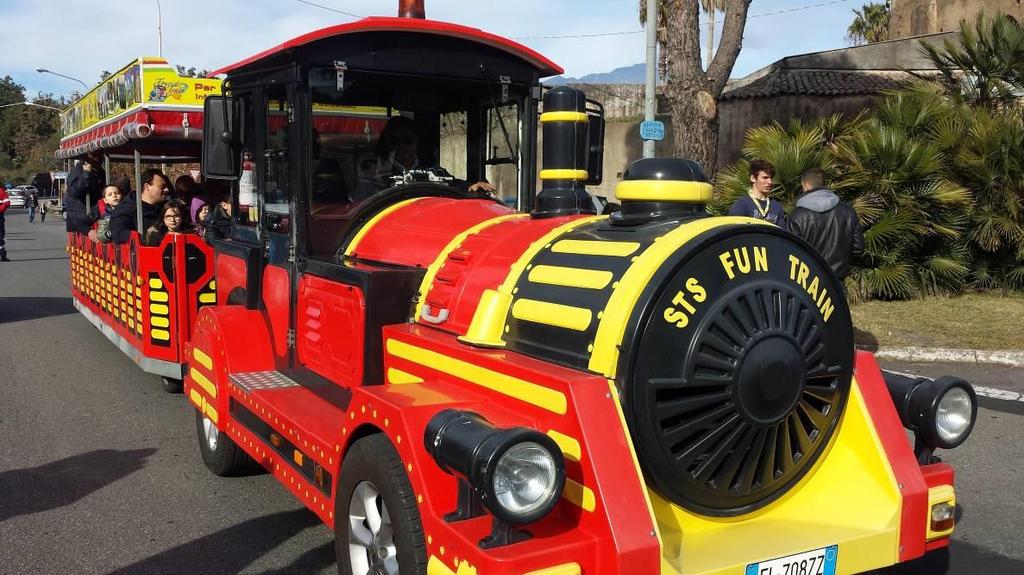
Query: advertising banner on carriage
[(145, 82)]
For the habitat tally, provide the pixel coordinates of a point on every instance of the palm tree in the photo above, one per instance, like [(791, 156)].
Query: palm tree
[(712, 8), (985, 65), (870, 25)]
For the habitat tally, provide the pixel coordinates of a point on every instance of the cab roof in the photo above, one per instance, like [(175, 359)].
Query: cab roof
[(543, 66)]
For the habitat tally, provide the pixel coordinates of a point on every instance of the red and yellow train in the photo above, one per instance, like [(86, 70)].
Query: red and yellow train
[(461, 386)]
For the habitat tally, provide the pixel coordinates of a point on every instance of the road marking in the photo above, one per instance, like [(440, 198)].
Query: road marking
[(981, 390)]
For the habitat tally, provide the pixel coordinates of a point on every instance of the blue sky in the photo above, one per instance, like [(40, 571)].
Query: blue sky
[(83, 38)]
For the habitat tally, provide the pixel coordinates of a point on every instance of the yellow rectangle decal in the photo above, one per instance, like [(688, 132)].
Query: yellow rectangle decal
[(595, 248), (579, 495), (160, 296), (555, 314), (207, 298), (543, 397), (160, 322), (570, 277), (201, 357), (195, 397), (161, 334), (569, 446), (203, 381), (155, 283), (397, 377), (210, 411), (159, 309)]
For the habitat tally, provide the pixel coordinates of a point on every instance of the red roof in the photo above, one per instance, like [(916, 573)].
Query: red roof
[(390, 24)]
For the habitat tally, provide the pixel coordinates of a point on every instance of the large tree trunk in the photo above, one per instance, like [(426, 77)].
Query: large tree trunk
[(691, 92)]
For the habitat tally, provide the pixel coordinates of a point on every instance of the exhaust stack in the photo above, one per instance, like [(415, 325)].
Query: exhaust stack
[(411, 9)]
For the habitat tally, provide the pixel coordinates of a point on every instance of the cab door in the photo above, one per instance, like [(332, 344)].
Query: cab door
[(277, 182)]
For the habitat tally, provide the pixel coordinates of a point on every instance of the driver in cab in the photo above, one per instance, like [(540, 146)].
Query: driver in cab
[(397, 154)]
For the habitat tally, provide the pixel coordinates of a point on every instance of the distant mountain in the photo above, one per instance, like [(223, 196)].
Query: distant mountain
[(634, 74)]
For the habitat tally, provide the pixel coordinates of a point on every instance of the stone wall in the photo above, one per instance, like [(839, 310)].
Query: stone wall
[(917, 17)]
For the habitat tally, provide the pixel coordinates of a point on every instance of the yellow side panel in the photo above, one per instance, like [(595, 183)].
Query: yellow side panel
[(850, 499), (547, 313)]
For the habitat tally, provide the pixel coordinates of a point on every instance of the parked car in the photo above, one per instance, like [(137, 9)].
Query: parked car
[(17, 198), (26, 189)]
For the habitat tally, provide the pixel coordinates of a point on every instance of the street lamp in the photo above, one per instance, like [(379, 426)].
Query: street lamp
[(58, 110), (45, 71)]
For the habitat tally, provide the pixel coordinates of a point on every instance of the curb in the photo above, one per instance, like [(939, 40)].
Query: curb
[(932, 354)]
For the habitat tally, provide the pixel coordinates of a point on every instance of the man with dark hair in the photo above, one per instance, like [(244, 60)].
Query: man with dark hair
[(827, 223), (757, 204), (124, 219)]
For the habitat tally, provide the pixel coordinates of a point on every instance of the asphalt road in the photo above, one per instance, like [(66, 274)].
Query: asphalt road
[(100, 473)]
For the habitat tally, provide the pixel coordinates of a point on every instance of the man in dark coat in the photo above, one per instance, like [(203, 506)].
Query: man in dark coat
[(124, 219), (757, 203), (827, 223), (5, 202), (85, 184)]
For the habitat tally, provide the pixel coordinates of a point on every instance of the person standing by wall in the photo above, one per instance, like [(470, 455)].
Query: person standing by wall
[(32, 203), (757, 203), (827, 223), (5, 202)]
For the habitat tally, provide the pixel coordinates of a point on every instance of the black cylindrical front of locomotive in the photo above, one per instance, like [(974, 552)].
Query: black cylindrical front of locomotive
[(738, 358), (566, 144)]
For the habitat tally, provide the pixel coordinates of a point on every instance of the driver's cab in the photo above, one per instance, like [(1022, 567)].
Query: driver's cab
[(325, 133)]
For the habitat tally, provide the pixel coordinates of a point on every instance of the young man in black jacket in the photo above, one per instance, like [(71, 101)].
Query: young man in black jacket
[(124, 219), (827, 223)]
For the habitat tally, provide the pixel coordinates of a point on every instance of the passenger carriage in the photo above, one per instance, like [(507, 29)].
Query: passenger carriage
[(144, 299)]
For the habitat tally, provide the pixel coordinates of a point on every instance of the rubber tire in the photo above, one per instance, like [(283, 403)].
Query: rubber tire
[(171, 385), (374, 458), (228, 460)]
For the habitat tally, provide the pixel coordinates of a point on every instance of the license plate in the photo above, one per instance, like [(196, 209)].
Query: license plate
[(818, 562)]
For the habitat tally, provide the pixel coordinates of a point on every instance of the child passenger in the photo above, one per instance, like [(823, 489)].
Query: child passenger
[(199, 210), (111, 198), (173, 219)]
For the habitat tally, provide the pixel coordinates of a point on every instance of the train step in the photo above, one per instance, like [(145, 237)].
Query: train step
[(297, 429)]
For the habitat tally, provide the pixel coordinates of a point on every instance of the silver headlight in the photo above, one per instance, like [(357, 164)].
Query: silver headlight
[(954, 414), (525, 478)]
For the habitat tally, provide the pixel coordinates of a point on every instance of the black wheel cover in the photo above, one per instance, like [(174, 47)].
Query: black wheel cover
[(732, 409)]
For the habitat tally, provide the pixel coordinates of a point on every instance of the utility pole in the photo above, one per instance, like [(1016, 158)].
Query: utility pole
[(650, 88), (159, 30)]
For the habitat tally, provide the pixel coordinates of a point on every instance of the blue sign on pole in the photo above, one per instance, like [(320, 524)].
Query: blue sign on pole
[(652, 130)]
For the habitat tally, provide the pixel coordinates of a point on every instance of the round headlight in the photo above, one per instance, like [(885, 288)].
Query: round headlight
[(942, 411), (525, 479), (954, 414)]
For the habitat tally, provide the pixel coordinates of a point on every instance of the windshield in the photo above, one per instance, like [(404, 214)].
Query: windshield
[(372, 131)]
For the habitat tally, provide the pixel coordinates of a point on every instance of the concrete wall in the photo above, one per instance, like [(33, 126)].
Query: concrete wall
[(916, 17)]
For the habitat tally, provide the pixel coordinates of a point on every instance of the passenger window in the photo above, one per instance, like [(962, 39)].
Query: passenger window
[(277, 192), (248, 210)]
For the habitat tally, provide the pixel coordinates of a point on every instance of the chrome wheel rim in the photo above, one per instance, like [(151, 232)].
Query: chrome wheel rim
[(371, 535), (210, 433)]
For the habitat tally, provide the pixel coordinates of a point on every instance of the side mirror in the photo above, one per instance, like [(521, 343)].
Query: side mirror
[(595, 144), (222, 137)]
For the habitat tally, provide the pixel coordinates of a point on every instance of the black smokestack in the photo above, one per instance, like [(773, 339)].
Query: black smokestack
[(411, 9)]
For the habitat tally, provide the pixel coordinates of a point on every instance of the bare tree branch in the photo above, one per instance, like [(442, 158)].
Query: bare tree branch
[(729, 47)]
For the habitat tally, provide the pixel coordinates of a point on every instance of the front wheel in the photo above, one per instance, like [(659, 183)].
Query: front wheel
[(221, 455), (377, 525)]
